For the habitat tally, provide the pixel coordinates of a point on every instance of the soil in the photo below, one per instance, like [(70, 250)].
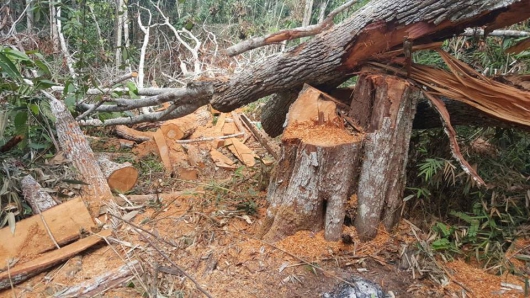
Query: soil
[(206, 228)]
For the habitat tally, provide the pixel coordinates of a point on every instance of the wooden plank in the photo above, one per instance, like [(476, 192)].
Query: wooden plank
[(222, 160), (26, 270), (65, 222), (241, 151), (163, 150), (218, 129)]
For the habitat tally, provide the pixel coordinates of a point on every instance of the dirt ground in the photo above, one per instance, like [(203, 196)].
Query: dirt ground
[(202, 233)]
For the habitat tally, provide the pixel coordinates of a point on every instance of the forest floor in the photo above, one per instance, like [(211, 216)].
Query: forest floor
[(208, 226)]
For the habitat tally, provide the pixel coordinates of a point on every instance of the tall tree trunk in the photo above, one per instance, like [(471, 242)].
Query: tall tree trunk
[(29, 16), (54, 32), (308, 11), (119, 30)]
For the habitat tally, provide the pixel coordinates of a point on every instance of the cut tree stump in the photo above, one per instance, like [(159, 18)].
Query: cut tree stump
[(314, 175), (38, 199), (65, 222), (121, 177)]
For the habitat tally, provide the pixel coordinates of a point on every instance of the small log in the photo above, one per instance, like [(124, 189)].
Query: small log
[(38, 199), (314, 175), (181, 128), (104, 282), (65, 221), (29, 269), (121, 177), (133, 134)]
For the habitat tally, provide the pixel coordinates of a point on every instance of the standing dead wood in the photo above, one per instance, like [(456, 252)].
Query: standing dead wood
[(386, 114)]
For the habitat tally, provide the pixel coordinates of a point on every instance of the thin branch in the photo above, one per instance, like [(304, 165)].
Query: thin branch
[(288, 34), (501, 33), (206, 139)]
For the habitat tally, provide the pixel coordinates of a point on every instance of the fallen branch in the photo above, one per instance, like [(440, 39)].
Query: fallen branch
[(206, 139), (501, 33), (289, 34), (102, 283), (104, 90), (262, 139)]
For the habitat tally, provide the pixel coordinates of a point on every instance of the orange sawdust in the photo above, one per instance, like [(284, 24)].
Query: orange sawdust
[(480, 282), (320, 135), (313, 246)]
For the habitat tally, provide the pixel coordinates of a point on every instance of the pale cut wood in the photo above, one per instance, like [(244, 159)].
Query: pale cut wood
[(77, 149), (229, 129), (241, 151), (218, 129), (222, 160), (38, 199), (163, 150), (65, 221), (29, 269), (121, 177), (133, 134), (100, 284)]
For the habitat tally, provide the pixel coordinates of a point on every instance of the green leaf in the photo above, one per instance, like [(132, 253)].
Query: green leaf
[(20, 120), (43, 67), (440, 244), (44, 84), (9, 68), (34, 109)]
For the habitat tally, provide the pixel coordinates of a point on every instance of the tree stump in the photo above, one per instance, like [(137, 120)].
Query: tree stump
[(314, 176)]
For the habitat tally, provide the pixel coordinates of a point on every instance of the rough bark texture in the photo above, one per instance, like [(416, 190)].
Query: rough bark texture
[(314, 174), (77, 149), (389, 125), (377, 27), (37, 198)]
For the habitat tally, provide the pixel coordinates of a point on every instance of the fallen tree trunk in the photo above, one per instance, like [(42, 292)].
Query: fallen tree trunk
[(121, 177), (331, 56)]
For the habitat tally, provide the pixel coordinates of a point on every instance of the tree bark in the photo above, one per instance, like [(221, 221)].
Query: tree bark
[(77, 149), (390, 104), (274, 112), (38, 199)]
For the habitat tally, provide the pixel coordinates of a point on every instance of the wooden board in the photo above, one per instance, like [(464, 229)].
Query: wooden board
[(65, 222), (222, 160), (26, 270), (241, 151), (163, 150)]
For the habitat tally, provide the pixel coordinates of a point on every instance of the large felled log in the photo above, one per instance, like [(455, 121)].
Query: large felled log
[(77, 149), (121, 177), (385, 107), (332, 56), (314, 174)]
